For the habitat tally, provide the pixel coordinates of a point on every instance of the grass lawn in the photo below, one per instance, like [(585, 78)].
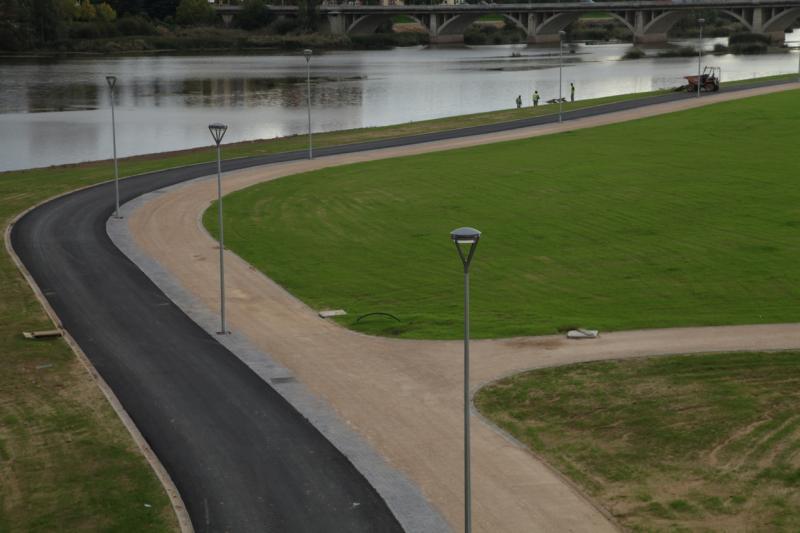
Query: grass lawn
[(686, 219), (678, 443), (66, 461)]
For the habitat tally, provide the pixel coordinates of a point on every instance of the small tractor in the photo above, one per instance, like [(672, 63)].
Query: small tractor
[(709, 80)]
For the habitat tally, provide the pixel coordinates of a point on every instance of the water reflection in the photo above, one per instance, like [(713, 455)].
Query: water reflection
[(41, 97), (187, 93), (57, 111)]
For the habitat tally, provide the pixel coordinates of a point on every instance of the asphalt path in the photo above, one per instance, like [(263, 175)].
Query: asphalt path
[(242, 458)]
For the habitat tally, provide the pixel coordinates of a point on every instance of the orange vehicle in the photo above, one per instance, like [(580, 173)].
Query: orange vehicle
[(709, 80)]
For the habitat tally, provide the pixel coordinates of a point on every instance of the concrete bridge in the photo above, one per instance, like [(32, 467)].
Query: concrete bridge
[(648, 20)]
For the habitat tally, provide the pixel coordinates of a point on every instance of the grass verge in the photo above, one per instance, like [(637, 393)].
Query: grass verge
[(684, 219), (66, 461), (680, 443)]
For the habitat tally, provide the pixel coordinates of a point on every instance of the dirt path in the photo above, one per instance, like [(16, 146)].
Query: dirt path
[(404, 396)]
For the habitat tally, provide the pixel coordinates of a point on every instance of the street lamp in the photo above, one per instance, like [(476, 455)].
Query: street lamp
[(218, 132), (466, 241), (700, 55), (307, 53), (112, 82), (561, 35), (798, 60)]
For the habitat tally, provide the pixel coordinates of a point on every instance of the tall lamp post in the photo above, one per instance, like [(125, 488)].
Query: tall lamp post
[(561, 35), (307, 53), (466, 241), (798, 61), (700, 55), (112, 82), (218, 132)]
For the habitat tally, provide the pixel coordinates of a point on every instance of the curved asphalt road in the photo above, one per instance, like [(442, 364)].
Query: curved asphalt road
[(242, 458)]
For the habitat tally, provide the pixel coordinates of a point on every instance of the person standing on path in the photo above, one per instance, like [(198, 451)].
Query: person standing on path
[(519, 101), (535, 98), (571, 92)]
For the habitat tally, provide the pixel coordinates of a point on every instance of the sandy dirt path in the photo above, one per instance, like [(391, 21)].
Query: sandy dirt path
[(405, 397)]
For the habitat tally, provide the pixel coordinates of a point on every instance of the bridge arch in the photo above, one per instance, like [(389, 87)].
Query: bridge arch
[(738, 17), (661, 24), (781, 21), (370, 23), (547, 28), (624, 18), (457, 24), (516, 22)]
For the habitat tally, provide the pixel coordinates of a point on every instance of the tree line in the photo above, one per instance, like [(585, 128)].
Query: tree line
[(33, 24)]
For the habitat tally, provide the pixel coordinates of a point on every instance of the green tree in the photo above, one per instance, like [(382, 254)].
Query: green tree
[(87, 12), (106, 13), (48, 19), (308, 14), (255, 14), (69, 9), (193, 12), (160, 9), (127, 7)]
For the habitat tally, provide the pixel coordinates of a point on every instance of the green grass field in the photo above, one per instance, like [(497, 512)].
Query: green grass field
[(680, 443), (686, 219)]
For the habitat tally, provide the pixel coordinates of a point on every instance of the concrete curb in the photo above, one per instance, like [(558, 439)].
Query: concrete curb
[(178, 507), (404, 498)]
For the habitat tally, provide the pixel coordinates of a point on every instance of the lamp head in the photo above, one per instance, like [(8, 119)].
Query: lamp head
[(466, 241), (217, 131), (111, 81)]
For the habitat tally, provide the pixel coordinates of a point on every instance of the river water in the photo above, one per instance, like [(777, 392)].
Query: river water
[(54, 112)]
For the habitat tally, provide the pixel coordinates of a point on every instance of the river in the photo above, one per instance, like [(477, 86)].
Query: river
[(57, 111)]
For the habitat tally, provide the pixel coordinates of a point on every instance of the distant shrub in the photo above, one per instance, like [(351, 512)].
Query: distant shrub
[(481, 34), (284, 25), (86, 11), (92, 30), (13, 38), (634, 53), (255, 14), (749, 48), (194, 12), (105, 13), (683, 51), (748, 38), (135, 25), (377, 41)]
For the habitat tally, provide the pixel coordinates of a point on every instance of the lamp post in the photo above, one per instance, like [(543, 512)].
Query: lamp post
[(561, 35), (112, 82), (466, 241), (307, 53), (700, 55), (218, 132)]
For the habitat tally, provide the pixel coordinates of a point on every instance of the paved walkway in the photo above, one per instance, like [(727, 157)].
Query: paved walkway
[(404, 396)]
